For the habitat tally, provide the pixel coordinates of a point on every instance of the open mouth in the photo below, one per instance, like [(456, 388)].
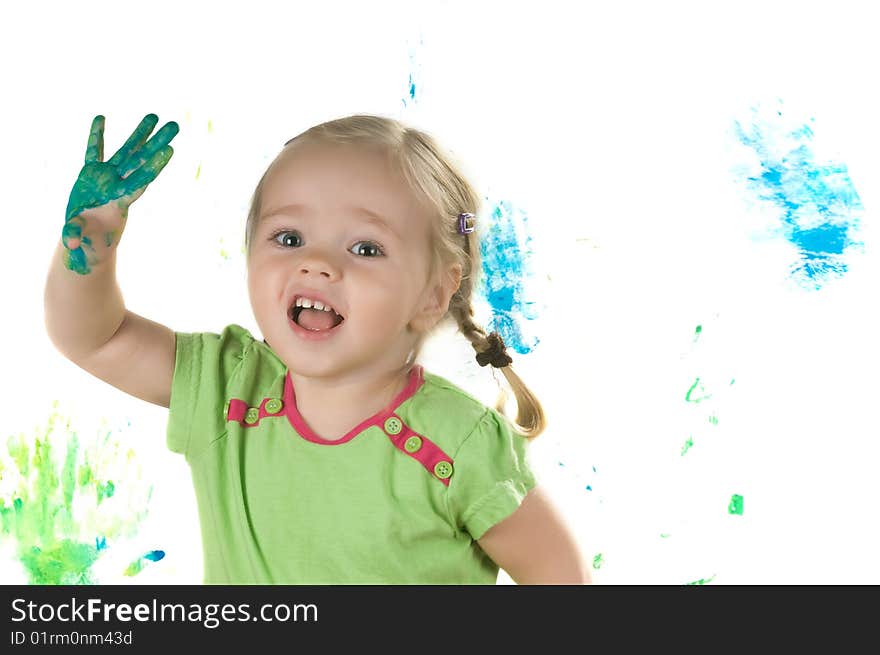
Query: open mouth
[(316, 320)]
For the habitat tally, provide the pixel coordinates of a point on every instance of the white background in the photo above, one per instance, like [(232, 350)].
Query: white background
[(610, 126)]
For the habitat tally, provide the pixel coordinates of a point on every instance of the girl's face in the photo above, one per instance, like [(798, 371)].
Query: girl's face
[(338, 224)]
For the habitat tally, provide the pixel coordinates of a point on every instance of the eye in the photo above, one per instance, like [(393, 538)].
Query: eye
[(286, 237), (369, 246)]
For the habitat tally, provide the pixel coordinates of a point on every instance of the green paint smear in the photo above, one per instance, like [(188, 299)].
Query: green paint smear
[(135, 567), (105, 490), (687, 445), (138, 565), (702, 581), (713, 420), (735, 506), (691, 391), (40, 512), (598, 561)]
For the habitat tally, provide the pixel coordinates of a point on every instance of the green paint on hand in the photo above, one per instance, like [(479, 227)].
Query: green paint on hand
[(691, 391), (687, 445), (598, 561), (49, 506), (118, 182), (735, 506)]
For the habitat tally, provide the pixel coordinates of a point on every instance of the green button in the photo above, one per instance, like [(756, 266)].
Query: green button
[(443, 470), (393, 425), (274, 405), (252, 415), (412, 444)]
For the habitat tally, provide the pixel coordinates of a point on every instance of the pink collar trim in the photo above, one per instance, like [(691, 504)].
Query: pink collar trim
[(416, 379)]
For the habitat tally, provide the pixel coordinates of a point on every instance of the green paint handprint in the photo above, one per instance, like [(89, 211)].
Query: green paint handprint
[(104, 191)]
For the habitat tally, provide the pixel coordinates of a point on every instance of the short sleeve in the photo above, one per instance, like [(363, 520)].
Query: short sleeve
[(491, 475), (204, 365)]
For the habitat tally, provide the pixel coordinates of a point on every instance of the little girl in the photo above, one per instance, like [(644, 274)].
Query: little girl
[(324, 454)]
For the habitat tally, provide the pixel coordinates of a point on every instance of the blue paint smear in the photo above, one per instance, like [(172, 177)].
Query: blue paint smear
[(806, 192), (155, 555), (100, 543), (411, 81), (504, 275)]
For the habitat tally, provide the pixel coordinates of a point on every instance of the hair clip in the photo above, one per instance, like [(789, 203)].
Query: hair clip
[(463, 227)]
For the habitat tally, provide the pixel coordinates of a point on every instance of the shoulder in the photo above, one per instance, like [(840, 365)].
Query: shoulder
[(210, 368), (449, 415), (233, 344)]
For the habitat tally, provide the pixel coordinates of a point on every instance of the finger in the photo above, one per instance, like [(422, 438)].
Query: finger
[(158, 141), (95, 149), (140, 134), (71, 233), (78, 259), (148, 172)]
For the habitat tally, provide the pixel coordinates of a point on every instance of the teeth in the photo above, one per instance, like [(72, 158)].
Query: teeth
[(309, 304)]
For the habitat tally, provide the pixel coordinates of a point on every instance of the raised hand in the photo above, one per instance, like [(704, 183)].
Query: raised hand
[(100, 198)]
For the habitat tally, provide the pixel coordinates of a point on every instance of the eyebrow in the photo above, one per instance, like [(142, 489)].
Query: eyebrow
[(369, 216)]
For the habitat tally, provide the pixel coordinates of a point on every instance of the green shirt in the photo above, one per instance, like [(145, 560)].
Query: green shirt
[(400, 499)]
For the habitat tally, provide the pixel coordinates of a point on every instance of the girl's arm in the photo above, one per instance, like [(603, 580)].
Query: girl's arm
[(534, 545), (85, 315)]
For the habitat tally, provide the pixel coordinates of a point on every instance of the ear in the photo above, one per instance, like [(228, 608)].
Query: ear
[(436, 297)]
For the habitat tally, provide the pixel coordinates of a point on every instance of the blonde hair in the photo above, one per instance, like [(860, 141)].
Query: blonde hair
[(433, 177)]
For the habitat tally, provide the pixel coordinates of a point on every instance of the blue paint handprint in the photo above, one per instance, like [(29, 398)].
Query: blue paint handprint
[(100, 198)]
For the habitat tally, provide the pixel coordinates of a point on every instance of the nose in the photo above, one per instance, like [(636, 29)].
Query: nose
[(316, 263)]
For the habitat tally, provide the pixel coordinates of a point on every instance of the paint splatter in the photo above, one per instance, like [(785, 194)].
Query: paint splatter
[(696, 398), (505, 248), (415, 74), (702, 581), (735, 506), (598, 561), (818, 206), (60, 511), (687, 445), (713, 419), (138, 565), (578, 476), (697, 333)]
